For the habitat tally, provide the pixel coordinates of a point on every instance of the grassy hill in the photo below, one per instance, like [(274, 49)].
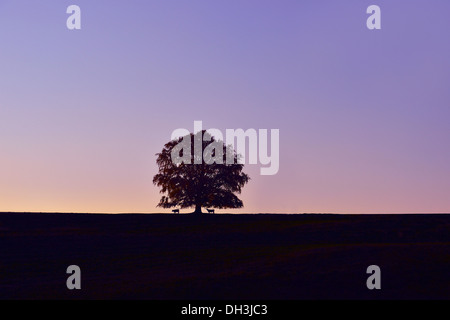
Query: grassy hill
[(224, 256)]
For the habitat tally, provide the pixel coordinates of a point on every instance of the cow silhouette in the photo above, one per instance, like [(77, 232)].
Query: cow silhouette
[(176, 211), (210, 210)]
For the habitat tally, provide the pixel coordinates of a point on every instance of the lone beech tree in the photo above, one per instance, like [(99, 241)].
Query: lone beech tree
[(199, 171)]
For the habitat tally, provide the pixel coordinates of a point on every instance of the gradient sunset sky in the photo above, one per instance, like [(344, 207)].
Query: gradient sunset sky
[(364, 116)]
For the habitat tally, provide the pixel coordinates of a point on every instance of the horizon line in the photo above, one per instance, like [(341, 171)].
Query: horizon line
[(224, 213)]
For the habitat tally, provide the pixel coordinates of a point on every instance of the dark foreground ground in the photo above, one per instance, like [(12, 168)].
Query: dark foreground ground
[(224, 256)]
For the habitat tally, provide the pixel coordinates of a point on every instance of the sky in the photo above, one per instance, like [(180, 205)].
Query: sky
[(363, 114)]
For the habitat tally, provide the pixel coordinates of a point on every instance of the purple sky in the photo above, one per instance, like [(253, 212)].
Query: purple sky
[(363, 115)]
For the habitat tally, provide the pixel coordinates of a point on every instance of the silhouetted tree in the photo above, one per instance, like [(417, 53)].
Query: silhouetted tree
[(199, 184)]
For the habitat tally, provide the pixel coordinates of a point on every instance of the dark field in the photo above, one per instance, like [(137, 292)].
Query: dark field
[(224, 256)]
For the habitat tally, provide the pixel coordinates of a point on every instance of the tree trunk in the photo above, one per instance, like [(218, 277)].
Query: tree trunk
[(198, 209)]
